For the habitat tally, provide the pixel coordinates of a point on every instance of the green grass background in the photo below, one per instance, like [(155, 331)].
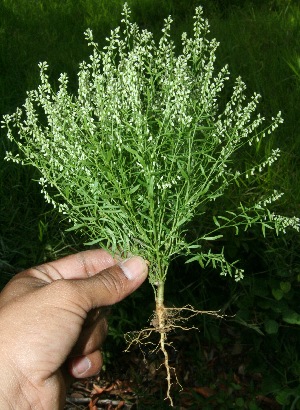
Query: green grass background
[(260, 40)]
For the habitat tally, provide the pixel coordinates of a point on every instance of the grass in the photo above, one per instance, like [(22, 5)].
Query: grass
[(260, 41)]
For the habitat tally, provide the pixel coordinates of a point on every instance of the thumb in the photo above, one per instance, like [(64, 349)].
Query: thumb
[(114, 283)]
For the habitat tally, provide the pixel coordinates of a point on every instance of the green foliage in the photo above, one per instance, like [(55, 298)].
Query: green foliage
[(143, 147)]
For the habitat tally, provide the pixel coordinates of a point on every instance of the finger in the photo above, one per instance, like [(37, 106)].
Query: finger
[(96, 314), (77, 266), (86, 366), (112, 284), (80, 265), (91, 338)]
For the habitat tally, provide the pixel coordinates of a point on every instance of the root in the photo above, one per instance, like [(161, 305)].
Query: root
[(163, 321)]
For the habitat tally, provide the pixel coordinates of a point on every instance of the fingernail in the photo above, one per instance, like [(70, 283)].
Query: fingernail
[(134, 267), (81, 365)]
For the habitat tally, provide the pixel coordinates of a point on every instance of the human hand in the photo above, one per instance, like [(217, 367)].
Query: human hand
[(51, 324)]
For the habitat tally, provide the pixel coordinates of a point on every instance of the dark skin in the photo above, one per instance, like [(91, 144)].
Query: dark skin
[(52, 321)]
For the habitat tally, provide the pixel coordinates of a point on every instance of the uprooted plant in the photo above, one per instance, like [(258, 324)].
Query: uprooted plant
[(143, 149)]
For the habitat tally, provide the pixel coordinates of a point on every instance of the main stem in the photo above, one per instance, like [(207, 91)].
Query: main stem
[(162, 329)]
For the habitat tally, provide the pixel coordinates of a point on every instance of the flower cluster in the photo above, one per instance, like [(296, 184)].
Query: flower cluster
[(275, 154)]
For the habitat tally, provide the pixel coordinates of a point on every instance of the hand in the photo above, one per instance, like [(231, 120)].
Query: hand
[(51, 324)]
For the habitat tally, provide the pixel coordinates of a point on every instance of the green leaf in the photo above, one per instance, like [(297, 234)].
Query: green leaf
[(181, 222), (216, 221), (88, 218), (194, 258), (75, 227), (212, 238), (182, 171), (67, 192), (94, 242), (277, 293), (136, 154), (224, 218), (134, 189), (285, 286), (283, 397), (253, 406), (240, 402), (194, 246), (271, 327), (264, 226), (291, 317)]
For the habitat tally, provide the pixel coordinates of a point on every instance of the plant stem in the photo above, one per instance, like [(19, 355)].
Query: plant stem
[(162, 324), (160, 294)]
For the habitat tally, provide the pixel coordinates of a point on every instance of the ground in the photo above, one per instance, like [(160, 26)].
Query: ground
[(211, 378)]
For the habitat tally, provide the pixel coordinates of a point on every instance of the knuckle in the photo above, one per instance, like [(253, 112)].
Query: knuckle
[(114, 284)]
